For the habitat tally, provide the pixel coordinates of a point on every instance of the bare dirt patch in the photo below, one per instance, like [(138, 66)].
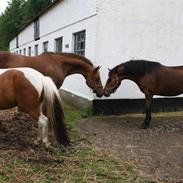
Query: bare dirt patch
[(156, 152)]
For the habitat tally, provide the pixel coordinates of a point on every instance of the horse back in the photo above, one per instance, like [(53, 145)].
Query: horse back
[(7, 88), (16, 89), (165, 81)]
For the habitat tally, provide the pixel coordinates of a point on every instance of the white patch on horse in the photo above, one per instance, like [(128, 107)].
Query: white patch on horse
[(32, 75)]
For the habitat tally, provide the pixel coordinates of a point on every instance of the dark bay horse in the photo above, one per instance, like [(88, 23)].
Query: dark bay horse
[(26, 88), (57, 66), (151, 77)]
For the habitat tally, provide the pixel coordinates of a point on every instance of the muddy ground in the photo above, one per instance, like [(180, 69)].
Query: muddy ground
[(157, 152)]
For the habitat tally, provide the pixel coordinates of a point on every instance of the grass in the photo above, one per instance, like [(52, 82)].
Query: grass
[(80, 163)]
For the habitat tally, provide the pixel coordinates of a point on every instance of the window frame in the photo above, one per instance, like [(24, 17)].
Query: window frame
[(17, 42), (79, 45), (45, 43), (57, 49), (36, 49), (36, 29), (24, 51), (29, 51)]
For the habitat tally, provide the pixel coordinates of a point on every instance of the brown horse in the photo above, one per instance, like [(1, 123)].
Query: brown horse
[(151, 77), (57, 66), (27, 88)]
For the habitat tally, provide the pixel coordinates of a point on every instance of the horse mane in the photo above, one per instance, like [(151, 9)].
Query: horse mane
[(71, 55), (139, 67)]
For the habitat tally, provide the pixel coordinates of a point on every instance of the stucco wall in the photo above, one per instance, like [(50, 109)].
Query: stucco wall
[(64, 19), (116, 31), (138, 29)]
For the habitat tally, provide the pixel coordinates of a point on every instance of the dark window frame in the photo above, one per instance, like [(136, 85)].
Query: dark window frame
[(29, 51), (24, 51), (36, 50), (80, 42), (17, 42), (45, 49), (36, 29), (59, 44)]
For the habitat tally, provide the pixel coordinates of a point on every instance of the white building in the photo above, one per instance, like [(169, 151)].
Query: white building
[(112, 31)]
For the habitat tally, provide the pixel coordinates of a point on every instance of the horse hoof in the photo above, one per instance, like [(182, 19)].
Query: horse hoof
[(144, 126)]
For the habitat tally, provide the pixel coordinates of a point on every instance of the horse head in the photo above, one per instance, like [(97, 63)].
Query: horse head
[(115, 77), (94, 82)]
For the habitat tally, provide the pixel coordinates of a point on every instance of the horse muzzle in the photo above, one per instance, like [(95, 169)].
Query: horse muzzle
[(107, 93), (99, 93)]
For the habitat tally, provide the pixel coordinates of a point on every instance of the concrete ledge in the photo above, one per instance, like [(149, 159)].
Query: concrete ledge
[(121, 106), (76, 100)]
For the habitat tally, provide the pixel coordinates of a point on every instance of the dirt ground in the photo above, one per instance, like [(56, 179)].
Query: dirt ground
[(157, 152)]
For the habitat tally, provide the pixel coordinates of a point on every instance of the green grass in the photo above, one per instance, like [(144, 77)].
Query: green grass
[(80, 163)]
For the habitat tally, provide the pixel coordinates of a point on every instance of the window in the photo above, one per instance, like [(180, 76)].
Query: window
[(24, 51), (17, 43), (79, 42), (29, 51), (36, 50), (36, 30), (58, 44), (45, 46)]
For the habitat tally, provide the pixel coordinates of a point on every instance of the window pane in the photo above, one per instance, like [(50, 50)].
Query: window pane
[(58, 44), (45, 46), (79, 43), (29, 51), (36, 50)]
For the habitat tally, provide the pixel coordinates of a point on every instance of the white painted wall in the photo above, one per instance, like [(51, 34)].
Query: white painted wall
[(116, 31), (64, 19), (138, 29)]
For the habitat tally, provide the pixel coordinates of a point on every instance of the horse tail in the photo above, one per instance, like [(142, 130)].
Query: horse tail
[(55, 111)]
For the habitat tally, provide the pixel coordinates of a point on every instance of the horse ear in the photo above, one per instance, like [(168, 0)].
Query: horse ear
[(96, 68)]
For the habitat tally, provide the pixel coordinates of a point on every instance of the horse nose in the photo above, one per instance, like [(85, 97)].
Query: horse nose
[(106, 93), (100, 94)]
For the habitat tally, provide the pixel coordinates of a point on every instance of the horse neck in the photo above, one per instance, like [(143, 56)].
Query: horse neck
[(133, 78), (77, 66)]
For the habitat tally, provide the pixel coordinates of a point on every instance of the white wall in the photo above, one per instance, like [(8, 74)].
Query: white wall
[(116, 31), (64, 19), (138, 29)]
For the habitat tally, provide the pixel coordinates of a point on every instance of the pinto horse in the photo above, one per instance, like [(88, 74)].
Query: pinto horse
[(151, 77), (26, 88), (57, 66)]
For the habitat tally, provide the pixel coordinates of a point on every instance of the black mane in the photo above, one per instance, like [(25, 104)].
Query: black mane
[(139, 67)]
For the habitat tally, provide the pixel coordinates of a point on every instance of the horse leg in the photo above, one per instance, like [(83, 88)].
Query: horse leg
[(43, 126), (148, 101)]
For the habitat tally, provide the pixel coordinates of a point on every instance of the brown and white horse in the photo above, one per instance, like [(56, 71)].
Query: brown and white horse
[(26, 88), (57, 66)]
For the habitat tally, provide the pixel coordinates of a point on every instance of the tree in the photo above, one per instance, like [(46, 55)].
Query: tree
[(16, 15)]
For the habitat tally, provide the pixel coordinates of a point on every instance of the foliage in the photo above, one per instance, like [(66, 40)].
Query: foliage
[(18, 14)]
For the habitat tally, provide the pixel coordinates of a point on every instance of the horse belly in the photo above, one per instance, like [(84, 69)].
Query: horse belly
[(171, 89), (7, 97)]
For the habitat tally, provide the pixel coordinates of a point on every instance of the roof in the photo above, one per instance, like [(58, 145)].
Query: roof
[(53, 4)]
